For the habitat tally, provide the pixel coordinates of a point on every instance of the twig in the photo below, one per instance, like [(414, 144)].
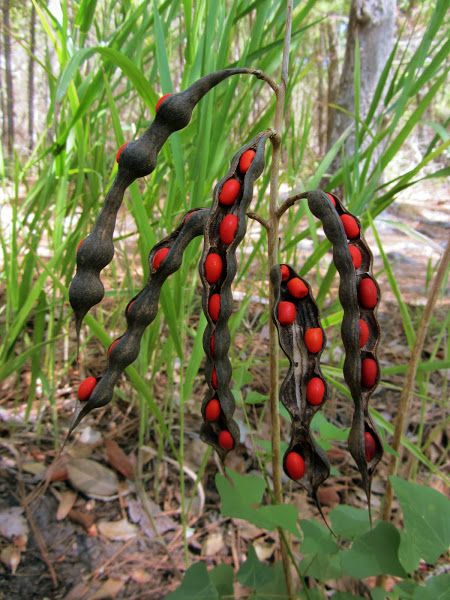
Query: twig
[(290, 202), (261, 220), (261, 75)]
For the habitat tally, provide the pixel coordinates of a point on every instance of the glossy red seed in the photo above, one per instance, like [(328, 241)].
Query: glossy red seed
[(212, 344), (286, 313), (331, 199), (226, 440), (364, 333), (370, 446), (315, 390), (351, 226), (229, 192), (113, 345), (246, 160), (80, 243), (86, 388), (214, 380), (214, 307), (228, 228), (314, 339), (160, 101), (356, 255), (297, 288), (127, 310), (369, 372), (285, 272), (212, 410), (120, 150), (367, 293), (213, 267), (159, 256), (294, 465)]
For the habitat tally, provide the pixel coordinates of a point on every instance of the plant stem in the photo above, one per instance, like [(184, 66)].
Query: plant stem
[(272, 236)]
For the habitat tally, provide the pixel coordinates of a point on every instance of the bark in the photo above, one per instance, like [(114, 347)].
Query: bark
[(9, 81), (31, 78), (372, 22), (333, 77)]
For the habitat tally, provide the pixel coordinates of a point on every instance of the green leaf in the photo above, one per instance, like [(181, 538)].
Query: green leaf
[(254, 397), (196, 585), (275, 588), (253, 573), (426, 517), (317, 539), (322, 566), (374, 553), (348, 522), (222, 577), (345, 596), (277, 515), (437, 588)]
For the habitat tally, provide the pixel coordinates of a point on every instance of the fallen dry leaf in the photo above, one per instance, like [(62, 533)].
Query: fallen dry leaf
[(78, 592), (66, 502), (138, 515), (109, 589), (10, 557), (264, 551), (213, 543), (328, 496), (92, 478), (13, 523), (118, 459), (140, 576), (35, 468), (82, 518), (117, 530)]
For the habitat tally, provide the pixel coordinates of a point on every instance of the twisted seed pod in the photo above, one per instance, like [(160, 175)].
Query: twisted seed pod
[(136, 159), (224, 230), (142, 309), (340, 227), (303, 391)]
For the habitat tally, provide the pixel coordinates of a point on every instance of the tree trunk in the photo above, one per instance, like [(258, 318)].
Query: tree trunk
[(333, 77), (372, 22), (31, 78), (9, 81)]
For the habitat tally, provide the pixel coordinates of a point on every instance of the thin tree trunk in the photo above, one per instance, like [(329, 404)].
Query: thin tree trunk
[(9, 81), (31, 78), (321, 94), (333, 77), (372, 23)]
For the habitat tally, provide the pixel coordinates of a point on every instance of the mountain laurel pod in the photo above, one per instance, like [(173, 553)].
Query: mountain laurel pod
[(286, 312), (315, 390), (331, 199), (213, 267), (370, 446), (297, 288), (226, 440), (294, 465), (120, 150), (212, 344), (229, 192), (364, 333), (159, 256), (314, 339), (212, 411), (285, 273), (113, 345), (160, 101), (246, 160), (369, 372), (351, 227), (214, 380), (214, 306), (356, 255), (367, 293), (228, 228), (86, 388)]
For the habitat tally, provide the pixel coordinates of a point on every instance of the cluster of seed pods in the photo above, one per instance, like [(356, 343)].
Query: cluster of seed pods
[(135, 159), (224, 230), (302, 339)]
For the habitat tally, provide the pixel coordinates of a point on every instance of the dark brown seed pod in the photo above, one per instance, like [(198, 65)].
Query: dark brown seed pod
[(350, 277), (141, 311), (135, 159), (303, 391), (223, 433)]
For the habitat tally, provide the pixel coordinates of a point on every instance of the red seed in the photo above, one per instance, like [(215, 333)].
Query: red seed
[(214, 307), (315, 390), (113, 345), (331, 199), (226, 440), (229, 192), (213, 267), (314, 339), (285, 272), (120, 150), (351, 226), (228, 228), (128, 308), (286, 313), (212, 410), (294, 465), (367, 293), (370, 446), (86, 388), (212, 344), (214, 380), (159, 257), (297, 288), (80, 243), (356, 255), (188, 215), (369, 372), (160, 101), (364, 333), (246, 160)]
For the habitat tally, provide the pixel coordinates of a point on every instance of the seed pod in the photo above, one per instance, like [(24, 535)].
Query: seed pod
[(224, 230), (358, 298), (303, 390), (135, 159), (139, 313)]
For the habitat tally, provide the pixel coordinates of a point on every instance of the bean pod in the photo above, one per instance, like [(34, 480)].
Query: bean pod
[(224, 230)]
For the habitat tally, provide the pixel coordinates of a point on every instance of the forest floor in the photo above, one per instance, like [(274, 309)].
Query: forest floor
[(101, 534)]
